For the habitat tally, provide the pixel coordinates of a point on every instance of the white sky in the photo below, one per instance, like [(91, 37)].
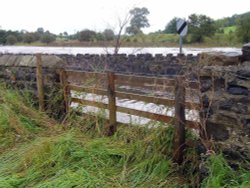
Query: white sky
[(74, 15)]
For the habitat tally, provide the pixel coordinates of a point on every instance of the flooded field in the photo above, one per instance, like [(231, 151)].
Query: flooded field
[(100, 50)]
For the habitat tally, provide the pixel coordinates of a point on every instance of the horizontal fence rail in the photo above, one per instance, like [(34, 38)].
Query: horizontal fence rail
[(131, 96), (95, 83)]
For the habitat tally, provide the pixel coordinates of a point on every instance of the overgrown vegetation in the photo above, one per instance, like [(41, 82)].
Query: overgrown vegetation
[(18, 122), (36, 152), (222, 175)]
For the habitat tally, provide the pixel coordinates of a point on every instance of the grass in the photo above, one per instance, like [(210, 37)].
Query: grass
[(18, 122), (36, 43), (230, 29), (222, 175), (72, 159), (37, 152)]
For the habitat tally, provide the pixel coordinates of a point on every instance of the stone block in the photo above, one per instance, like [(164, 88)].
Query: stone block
[(246, 52), (233, 106), (243, 74), (246, 126), (218, 132), (229, 119), (219, 59), (237, 90)]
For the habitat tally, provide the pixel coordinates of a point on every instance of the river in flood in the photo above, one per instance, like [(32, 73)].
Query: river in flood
[(101, 50)]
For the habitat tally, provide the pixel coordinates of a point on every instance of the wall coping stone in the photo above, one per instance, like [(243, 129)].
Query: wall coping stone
[(49, 61)]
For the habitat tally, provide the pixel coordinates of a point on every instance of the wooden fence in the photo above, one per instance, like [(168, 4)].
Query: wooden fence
[(108, 84)]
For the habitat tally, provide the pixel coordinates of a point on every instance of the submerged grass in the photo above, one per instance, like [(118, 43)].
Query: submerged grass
[(35, 152)]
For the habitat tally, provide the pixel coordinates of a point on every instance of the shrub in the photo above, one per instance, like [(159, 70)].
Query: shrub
[(11, 39)]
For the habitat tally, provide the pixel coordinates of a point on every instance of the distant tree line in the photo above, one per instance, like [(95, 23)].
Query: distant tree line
[(137, 22), (13, 37), (90, 35), (231, 21)]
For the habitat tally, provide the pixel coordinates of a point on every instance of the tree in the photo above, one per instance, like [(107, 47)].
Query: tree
[(86, 35), (99, 36), (40, 30), (122, 23), (171, 26), (108, 34), (243, 29), (2, 36), (28, 38), (200, 26), (47, 38), (65, 33), (138, 20), (11, 39)]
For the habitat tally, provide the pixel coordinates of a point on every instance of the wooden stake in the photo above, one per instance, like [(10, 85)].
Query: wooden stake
[(111, 128), (66, 91), (179, 129), (39, 81)]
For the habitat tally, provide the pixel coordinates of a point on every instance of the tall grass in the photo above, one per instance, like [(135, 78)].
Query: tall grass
[(74, 159), (222, 175), (35, 152), (18, 122)]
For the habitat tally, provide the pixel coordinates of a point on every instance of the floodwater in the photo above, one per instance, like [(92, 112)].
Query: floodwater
[(100, 50), (133, 104)]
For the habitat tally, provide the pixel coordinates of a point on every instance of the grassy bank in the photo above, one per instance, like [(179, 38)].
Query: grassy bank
[(35, 151)]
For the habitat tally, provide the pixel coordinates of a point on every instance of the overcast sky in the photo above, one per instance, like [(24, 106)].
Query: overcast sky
[(74, 15)]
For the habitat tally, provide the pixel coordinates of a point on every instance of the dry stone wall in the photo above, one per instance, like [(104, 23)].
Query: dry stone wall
[(225, 96), (143, 64)]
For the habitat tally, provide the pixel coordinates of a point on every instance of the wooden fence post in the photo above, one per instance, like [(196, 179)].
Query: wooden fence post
[(111, 128), (39, 81), (66, 92), (179, 129)]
